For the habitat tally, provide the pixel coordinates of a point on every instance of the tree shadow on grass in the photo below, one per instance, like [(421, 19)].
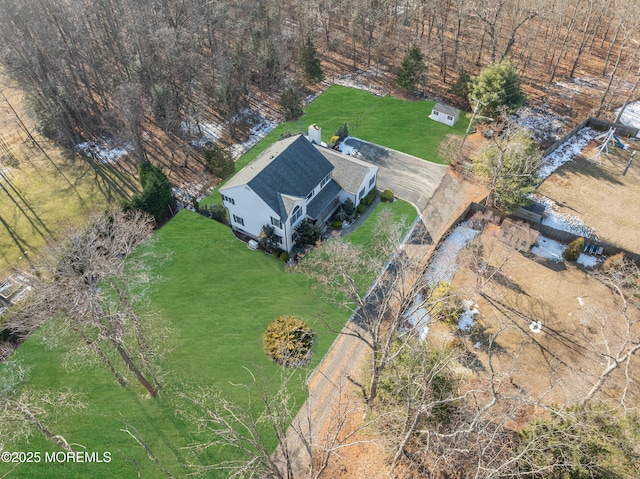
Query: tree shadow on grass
[(21, 243), (110, 180), (597, 169), (21, 203)]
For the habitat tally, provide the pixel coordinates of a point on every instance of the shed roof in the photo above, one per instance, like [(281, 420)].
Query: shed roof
[(449, 110)]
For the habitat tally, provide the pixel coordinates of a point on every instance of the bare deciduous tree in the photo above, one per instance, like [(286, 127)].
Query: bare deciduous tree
[(94, 283), (305, 449), (25, 411), (399, 303)]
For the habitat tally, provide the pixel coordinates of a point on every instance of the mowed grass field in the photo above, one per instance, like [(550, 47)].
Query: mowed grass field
[(387, 121), (215, 297), (39, 194)]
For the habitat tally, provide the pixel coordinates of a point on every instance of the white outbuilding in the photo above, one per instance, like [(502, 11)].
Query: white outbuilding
[(445, 114)]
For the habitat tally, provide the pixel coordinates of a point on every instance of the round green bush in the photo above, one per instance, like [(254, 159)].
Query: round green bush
[(336, 224), (284, 256), (387, 196), (288, 341), (361, 208)]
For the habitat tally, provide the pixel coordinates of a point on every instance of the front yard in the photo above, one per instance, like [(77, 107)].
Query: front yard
[(215, 298)]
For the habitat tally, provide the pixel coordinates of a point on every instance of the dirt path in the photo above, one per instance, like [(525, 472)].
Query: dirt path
[(348, 354)]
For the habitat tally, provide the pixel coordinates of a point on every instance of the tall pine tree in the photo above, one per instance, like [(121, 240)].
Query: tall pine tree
[(410, 70), (310, 63)]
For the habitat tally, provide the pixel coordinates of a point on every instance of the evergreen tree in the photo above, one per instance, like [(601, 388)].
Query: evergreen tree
[(461, 86), (219, 160), (497, 86), (411, 69), (155, 198), (310, 63), (307, 234), (291, 103)]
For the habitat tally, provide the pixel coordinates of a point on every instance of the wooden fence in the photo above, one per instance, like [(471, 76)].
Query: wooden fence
[(608, 249), (596, 124)]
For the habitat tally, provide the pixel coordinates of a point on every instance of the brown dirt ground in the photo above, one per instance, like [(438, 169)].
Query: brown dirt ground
[(596, 192), (557, 366), (577, 311)]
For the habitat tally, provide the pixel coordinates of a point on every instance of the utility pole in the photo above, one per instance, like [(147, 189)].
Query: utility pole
[(473, 117)]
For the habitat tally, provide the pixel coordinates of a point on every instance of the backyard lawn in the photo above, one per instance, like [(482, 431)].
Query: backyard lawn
[(216, 297), (387, 121)]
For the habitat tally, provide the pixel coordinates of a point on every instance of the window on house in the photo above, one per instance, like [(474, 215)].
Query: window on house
[(310, 195), (276, 222), (228, 200), (372, 181), (237, 219), (297, 212), (325, 180), (361, 194), (436, 113), (449, 117)]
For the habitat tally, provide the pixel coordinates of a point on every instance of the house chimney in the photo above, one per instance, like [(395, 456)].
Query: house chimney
[(315, 134)]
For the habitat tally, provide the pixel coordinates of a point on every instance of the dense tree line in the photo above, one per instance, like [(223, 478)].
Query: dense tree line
[(95, 66)]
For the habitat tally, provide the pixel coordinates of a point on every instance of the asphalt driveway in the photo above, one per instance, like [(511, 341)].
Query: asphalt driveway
[(410, 178)]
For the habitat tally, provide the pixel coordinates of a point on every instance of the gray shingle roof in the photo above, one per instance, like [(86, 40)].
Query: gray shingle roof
[(449, 110), (348, 171), (287, 170), (322, 199)]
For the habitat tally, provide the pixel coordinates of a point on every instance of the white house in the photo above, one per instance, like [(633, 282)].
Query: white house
[(445, 114), (291, 180)]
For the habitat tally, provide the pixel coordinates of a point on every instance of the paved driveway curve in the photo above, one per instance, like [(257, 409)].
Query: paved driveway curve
[(409, 177)]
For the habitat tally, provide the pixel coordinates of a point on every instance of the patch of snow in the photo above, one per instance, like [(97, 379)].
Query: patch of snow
[(203, 132), (467, 319), (587, 261), (536, 327), (548, 249), (631, 115), (360, 80), (554, 219), (580, 301), (567, 151), (545, 126), (444, 262), (103, 149), (184, 197), (260, 129), (418, 317)]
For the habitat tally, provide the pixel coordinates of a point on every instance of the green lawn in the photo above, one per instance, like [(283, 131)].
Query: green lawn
[(217, 297), (388, 121), (38, 198)]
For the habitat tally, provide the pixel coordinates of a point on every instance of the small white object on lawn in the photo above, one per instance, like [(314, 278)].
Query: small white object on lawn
[(536, 327)]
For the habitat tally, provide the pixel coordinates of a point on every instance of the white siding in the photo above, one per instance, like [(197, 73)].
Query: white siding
[(247, 205)]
